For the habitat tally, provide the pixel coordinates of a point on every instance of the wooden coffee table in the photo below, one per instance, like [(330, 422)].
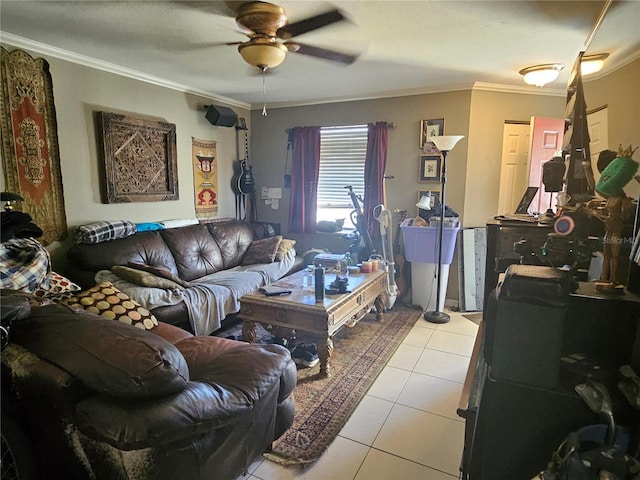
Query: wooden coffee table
[(322, 320)]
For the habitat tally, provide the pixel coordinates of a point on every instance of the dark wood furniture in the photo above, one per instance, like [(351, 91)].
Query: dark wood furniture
[(300, 311), (512, 428)]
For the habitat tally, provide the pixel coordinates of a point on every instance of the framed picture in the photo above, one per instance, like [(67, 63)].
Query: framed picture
[(430, 128), (429, 168), (138, 159)]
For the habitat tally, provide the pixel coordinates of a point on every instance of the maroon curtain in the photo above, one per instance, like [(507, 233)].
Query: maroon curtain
[(374, 166), (305, 165)]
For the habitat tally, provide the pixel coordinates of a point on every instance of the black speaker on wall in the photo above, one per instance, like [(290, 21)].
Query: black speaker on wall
[(221, 116)]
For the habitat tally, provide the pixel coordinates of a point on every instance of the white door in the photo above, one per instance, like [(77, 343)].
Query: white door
[(599, 135), (546, 140), (514, 167)]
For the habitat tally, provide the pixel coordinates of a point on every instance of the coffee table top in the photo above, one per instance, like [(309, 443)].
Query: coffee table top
[(305, 296)]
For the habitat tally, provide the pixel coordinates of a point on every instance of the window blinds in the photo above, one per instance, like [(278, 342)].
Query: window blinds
[(342, 156)]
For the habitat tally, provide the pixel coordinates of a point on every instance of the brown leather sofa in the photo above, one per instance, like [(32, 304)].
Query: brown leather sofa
[(190, 252), (104, 400)]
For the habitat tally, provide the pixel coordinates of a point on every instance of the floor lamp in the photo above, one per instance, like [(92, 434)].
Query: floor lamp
[(444, 143)]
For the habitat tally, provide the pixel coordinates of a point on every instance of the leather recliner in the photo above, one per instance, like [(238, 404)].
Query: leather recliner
[(101, 399)]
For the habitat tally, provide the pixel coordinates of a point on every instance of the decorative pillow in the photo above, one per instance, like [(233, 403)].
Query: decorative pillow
[(24, 264), (59, 287), (285, 245), (106, 300), (103, 231), (159, 272), (145, 279), (262, 251)]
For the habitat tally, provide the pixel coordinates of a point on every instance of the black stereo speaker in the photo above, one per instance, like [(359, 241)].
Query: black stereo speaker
[(221, 116)]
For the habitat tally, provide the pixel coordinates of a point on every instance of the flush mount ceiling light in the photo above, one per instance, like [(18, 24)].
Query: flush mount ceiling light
[(540, 75), (592, 63)]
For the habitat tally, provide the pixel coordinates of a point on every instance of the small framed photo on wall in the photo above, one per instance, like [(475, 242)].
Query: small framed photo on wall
[(430, 128), (429, 168)]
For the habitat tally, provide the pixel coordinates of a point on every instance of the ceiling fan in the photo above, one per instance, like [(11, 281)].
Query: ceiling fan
[(269, 34)]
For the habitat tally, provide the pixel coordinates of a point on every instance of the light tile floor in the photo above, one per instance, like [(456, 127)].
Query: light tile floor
[(406, 427)]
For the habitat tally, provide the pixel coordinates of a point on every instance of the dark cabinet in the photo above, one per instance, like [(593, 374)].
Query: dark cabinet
[(501, 237), (511, 426)]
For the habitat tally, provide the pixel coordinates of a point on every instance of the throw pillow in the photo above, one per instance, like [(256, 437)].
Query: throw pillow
[(285, 245), (106, 300), (160, 272), (59, 287), (262, 251), (145, 279)]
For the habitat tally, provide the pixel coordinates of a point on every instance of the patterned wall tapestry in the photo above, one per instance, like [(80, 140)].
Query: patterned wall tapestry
[(30, 156), (205, 177)]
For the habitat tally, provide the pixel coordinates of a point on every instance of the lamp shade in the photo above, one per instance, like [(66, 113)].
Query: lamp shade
[(540, 75), (263, 53), (446, 142), (592, 63)]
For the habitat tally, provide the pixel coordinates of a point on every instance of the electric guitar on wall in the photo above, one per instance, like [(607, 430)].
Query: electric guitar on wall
[(245, 183), (403, 268)]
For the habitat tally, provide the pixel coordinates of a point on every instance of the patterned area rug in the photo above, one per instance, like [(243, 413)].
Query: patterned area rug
[(323, 406)]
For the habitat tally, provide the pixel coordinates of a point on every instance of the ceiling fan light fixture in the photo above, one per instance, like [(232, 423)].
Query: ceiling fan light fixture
[(592, 63), (540, 75), (263, 53)]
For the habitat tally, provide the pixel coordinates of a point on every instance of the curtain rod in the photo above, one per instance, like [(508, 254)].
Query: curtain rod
[(389, 125)]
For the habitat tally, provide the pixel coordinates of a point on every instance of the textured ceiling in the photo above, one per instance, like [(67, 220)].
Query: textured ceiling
[(404, 46)]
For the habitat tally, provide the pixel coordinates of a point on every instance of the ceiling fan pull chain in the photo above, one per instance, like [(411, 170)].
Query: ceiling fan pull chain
[(264, 92)]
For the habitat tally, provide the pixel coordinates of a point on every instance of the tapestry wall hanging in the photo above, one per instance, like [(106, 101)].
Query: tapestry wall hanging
[(138, 159), (30, 155), (205, 178)]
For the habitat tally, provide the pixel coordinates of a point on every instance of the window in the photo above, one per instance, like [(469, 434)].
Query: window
[(342, 156)]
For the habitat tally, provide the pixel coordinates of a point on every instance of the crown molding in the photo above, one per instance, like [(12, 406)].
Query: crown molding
[(377, 96), (519, 89), (43, 49)]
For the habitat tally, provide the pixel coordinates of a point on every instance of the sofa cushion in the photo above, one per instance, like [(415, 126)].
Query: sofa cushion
[(57, 287), (262, 251), (195, 253), (233, 238), (108, 301), (143, 278), (103, 231), (109, 358), (286, 244), (160, 272)]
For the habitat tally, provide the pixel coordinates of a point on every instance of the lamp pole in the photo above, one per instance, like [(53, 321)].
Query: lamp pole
[(444, 143)]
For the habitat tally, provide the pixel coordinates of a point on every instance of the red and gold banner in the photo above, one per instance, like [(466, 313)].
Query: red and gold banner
[(205, 178), (30, 155)]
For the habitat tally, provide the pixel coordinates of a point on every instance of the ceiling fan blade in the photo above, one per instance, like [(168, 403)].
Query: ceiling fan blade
[(318, 52), (309, 24)]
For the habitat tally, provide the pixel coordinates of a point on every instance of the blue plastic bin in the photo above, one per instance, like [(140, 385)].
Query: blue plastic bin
[(421, 243)]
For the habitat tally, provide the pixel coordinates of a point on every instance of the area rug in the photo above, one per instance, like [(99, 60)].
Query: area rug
[(474, 317), (323, 406)]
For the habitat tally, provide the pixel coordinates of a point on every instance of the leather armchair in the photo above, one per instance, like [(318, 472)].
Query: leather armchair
[(101, 399)]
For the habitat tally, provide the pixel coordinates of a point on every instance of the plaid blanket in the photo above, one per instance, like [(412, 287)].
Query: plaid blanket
[(24, 265), (103, 231)]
